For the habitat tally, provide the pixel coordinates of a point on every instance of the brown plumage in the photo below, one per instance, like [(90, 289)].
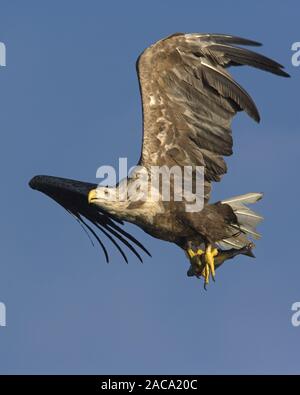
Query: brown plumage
[(189, 100)]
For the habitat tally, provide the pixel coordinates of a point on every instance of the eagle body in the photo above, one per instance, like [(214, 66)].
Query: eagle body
[(171, 222), (189, 100), (210, 225)]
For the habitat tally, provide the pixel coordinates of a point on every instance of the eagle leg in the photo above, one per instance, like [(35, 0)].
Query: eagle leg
[(202, 263), (209, 268)]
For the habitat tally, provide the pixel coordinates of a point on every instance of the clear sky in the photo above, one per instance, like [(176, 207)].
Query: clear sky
[(70, 103)]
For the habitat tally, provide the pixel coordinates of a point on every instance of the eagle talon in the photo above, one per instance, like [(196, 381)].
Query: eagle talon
[(203, 263), (196, 262), (193, 253), (209, 269)]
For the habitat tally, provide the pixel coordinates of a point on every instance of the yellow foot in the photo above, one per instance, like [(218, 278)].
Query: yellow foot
[(203, 263), (193, 253), (209, 268)]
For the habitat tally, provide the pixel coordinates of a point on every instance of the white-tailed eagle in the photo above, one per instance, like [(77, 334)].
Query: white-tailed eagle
[(189, 100)]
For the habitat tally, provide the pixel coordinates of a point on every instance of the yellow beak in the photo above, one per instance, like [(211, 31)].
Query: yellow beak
[(92, 195)]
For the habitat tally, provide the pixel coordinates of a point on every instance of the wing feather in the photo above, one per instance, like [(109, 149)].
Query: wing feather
[(189, 99)]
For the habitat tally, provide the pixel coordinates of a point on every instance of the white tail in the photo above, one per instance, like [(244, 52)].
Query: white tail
[(247, 220)]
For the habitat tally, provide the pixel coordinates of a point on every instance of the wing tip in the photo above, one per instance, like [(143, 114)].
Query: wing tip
[(254, 114), (229, 38), (284, 74)]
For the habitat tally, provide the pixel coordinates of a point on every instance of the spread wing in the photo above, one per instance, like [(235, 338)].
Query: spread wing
[(72, 195), (189, 99)]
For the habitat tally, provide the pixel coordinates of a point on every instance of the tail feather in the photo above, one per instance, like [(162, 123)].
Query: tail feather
[(248, 198), (247, 215), (233, 242), (247, 220), (249, 231)]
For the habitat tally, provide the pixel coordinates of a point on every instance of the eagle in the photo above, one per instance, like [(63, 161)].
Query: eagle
[(189, 100)]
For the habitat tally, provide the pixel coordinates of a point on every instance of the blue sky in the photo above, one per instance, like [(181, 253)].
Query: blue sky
[(70, 103)]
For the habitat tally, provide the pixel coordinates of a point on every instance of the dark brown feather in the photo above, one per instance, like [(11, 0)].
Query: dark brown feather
[(189, 99)]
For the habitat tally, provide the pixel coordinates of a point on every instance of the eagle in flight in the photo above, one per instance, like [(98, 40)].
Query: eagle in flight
[(189, 100)]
